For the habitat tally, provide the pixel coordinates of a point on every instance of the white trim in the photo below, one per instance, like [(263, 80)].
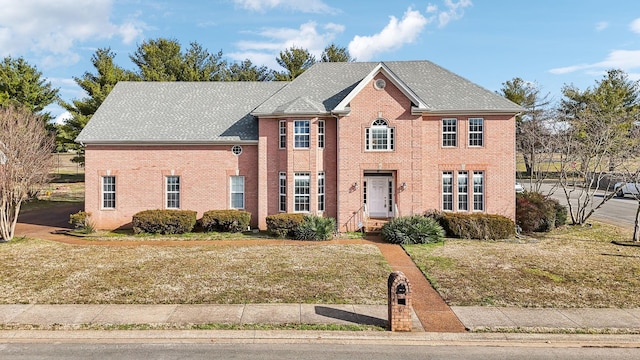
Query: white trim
[(395, 80)]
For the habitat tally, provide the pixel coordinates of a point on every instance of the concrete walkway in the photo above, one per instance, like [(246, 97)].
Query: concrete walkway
[(487, 319)]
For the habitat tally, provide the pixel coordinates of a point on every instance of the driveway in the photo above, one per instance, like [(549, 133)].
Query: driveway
[(41, 223)]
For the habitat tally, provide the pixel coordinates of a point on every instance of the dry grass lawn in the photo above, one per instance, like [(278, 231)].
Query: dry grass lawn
[(571, 267), (38, 271)]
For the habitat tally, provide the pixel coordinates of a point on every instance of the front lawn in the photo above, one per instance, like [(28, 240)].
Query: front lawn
[(570, 267), (47, 272)]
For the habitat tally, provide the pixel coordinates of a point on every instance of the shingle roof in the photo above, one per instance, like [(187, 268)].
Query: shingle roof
[(139, 112), (148, 112)]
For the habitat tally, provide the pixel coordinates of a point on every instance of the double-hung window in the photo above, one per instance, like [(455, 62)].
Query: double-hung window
[(301, 134), (237, 192), (478, 190), (449, 132), (321, 134), (463, 191), (321, 191), (379, 136), (173, 192), (282, 131), (476, 132), (108, 192), (302, 192), (447, 191), (283, 192)]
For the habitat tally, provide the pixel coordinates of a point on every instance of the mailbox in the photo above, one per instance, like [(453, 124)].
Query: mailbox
[(399, 302)]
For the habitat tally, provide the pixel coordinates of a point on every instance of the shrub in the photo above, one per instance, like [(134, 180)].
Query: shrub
[(284, 225), (164, 221), (538, 213), (415, 229), (225, 220), (315, 228), (81, 222), (477, 226)]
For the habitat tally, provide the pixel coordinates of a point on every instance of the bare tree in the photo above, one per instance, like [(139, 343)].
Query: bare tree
[(598, 136), (25, 162)]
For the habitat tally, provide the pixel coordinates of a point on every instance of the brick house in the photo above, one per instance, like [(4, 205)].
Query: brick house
[(346, 140)]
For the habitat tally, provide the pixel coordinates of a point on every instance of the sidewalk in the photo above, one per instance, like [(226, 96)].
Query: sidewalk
[(474, 318)]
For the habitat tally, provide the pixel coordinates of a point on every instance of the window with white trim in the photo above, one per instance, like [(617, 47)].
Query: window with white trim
[(282, 130), (379, 137), (321, 191), (476, 132), (321, 134), (283, 192), (173, 192), (463, 191), (478, 190), (449, 132), (447, 191), (302, 192), (237, 192), (301, 134), (108, 192)]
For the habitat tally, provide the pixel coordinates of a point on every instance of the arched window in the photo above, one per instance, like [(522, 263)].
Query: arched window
[(379, 137)]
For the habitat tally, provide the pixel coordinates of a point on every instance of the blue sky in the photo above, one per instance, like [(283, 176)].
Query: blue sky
[(549, 42)]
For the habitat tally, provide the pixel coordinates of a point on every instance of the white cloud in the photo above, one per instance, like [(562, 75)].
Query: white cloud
[(50, 29), (454, 11), (635, 26), (393, 36), (617, 59), (62, 118), (307, 6), (306, 36), (602, 25)]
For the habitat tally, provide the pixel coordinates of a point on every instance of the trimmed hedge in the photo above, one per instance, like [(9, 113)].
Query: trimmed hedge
[(415, 229), (284, 225), (315, 228), (477, 226), (164, 221), (225, 220), (538, 213)]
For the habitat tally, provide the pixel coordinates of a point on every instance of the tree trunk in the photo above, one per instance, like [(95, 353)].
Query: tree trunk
[(636, 227)]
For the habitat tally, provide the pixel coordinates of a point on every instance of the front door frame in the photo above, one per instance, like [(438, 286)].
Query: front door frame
[(383, 205)]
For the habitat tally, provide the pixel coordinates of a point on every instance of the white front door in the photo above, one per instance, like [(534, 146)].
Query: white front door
[(378, 196)]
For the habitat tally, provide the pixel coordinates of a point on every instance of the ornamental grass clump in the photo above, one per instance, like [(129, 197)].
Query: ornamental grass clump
[(315, 228), (414, 229)]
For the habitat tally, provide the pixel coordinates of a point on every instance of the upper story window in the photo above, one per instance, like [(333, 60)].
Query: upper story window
[(379, 136), (476, 132), (321, 134), (301, 134), (108, 192), (173, 192), (449, 132), (282, 126)]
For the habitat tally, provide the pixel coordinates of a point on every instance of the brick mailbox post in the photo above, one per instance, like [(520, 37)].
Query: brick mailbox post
[(399, 296)]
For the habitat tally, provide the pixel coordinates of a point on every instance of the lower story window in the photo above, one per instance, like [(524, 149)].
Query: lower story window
[(283, 192), (463, 191), (302, 192), (447, 191), (478, 190), (108, 192), (321, 191), (237, 192), (173, 192)]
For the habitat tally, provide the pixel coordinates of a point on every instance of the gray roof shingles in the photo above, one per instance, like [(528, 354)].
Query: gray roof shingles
[(156, 112), (161, 112)]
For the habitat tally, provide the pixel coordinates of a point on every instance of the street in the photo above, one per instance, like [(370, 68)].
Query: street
[(364, 351), (617, 211)]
